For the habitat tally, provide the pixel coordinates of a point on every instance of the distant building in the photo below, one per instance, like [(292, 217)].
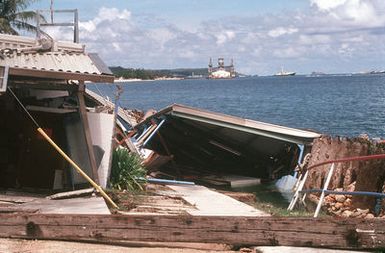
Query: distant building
[(221, 71)]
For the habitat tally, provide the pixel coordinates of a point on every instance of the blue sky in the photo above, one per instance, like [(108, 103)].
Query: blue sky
[(330, 36)]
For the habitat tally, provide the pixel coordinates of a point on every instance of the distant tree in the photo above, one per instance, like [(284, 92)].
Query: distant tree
[(14, 18)]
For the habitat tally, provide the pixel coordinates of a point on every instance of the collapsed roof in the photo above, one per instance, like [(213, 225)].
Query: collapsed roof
[(208, 140)]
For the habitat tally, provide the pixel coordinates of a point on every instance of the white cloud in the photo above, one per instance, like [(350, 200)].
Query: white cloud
[(279, 31), (105, 14), (353, 12), (324, 39), (316, 39), (224, 37), (289, 52), (326, 5)]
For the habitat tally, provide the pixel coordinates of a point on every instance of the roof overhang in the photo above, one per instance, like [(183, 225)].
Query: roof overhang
[(13, 71)]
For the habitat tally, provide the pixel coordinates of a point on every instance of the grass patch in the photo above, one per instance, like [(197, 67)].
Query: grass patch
[(270, 200)]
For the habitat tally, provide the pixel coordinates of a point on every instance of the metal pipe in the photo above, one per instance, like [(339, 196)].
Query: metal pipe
[(153, 133), (76, 26), (356, 193), (146, 129), (349, 159), (167, 181), (301, 149)]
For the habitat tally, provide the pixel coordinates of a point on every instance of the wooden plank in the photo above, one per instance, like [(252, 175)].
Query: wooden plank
[(285, 231), (87, 133), (72, 194), (49, 109)]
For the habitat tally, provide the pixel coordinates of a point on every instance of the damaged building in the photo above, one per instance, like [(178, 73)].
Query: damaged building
[(193, 144), (48, 78)]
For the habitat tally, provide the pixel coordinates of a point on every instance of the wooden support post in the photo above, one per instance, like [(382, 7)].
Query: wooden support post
[(87, 133)]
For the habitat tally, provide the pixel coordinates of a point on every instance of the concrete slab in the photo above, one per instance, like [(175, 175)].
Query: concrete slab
[(208, 202), (279, 249), (91, 205), (50, 246), (19, 197), (237, 181)]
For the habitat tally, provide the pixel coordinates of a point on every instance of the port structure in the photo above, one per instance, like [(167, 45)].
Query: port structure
[(221, 71)]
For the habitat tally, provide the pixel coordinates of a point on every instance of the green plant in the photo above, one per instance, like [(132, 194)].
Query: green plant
[(14, 17), (127, 172)]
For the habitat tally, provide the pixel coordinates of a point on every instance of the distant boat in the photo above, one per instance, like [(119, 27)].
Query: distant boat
[(375, 72), (284, 73), (317, 74)]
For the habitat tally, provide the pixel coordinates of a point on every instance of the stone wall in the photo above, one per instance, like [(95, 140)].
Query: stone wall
[(368, 176)]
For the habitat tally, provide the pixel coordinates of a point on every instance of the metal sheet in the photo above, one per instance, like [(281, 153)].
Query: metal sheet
[(52, 61), (101, 66), (245, 125), (101, 128), (68, 58)]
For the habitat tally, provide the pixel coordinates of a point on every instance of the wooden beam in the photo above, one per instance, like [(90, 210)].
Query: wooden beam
[(49, 109), (98, 78), (284, 231), (87, 133)]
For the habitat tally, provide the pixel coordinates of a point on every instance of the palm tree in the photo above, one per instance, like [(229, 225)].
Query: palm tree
[(14, 18)]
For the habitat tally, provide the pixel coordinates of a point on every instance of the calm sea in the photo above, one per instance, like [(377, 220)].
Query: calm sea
[(336, 105)]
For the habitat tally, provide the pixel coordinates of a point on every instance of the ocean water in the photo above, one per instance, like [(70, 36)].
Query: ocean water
[(335, 105)]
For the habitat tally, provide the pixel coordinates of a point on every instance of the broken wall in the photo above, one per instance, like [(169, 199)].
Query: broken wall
[(368, 175)]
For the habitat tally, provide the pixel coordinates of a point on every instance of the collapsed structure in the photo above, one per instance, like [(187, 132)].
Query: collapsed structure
[(195, 144), (49, 78)]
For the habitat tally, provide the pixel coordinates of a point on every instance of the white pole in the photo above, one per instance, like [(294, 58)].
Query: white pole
[(297, 192), (321, 200)]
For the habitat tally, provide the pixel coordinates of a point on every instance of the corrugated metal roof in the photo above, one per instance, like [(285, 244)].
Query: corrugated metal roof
[(68, 61), (52, 61), (245, 125)]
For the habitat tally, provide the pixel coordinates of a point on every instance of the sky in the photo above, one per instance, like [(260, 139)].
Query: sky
[(330, 36)]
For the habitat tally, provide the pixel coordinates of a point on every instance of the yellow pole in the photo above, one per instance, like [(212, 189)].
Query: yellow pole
[(78, 169)]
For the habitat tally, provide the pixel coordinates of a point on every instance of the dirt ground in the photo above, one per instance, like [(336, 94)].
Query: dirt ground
[(39, 246)]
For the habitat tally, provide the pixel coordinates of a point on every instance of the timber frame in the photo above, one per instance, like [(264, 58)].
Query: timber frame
[(341, 233)]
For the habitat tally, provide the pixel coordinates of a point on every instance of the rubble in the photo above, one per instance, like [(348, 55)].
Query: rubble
[(341, 205)]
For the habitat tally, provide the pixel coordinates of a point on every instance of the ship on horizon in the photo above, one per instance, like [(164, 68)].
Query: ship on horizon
[(285, 73)]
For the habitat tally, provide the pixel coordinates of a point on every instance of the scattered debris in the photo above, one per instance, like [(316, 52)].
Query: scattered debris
[(72, 194)]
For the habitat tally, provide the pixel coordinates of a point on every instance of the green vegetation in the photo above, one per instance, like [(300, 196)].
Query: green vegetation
[(130, 73), (127, 172), (270, 200), (14, 18)]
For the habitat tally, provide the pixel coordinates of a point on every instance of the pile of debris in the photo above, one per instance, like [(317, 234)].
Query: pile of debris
[(342, 205)]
